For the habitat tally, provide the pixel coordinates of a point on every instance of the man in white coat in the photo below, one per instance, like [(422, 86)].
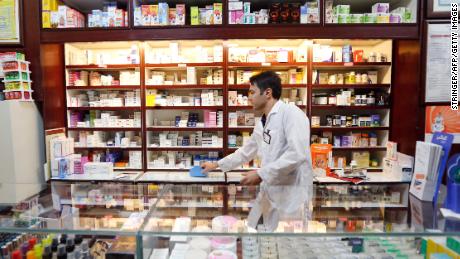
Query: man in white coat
[(282, 141)]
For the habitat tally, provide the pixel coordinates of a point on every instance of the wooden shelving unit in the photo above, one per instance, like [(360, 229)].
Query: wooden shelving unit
[(305, 89)]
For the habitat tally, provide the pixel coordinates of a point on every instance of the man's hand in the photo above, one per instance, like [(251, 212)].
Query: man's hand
[(251, 178), (207, 167)]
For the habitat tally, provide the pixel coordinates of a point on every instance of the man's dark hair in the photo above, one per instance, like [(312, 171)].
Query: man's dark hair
[(265, 80)]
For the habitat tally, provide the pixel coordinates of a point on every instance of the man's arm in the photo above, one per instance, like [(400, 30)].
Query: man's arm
[(243, 155), (296, 130)]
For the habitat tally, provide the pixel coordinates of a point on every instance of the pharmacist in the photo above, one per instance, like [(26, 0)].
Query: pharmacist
[(282, 141)]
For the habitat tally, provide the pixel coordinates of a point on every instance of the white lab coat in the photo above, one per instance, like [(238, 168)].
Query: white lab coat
[(286, 170)]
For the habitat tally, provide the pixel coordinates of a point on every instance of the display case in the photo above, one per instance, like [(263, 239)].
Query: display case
[(145, 220)]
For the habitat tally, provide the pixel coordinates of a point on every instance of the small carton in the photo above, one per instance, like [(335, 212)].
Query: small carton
[(153, 13), (46, 19), (172, 16), (303, 14), (194, 15), (145, 15), (381, 8), (180, 14), (111, 11), (163, 13), (217, 12), (138, 17), (120, 18), (247, 7), (383, 18), (235, 6)]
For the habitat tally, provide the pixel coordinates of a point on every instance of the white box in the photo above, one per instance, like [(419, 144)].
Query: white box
[(98, 168)]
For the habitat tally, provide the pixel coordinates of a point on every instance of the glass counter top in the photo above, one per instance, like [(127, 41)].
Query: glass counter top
[(200, 209)]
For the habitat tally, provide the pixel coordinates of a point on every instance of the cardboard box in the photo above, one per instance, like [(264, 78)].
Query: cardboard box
[(172, 16), (154, 15), (194, 15), (383, 18), (120, 18), (46, 19), (362, 158), (217, 12), (180, 14), (163, 13), (145, 15), (381, 8), (235, 6), (98, 168), (50, 5)]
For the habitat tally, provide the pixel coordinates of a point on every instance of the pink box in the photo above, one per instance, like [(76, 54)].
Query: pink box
[(239, 15)]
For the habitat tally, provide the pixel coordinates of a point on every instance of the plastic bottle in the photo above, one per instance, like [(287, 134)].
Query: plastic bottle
[(61, 252), (70, 245), (47, 252), (30, 255), (16, 254), (54, 244), (85, 250)]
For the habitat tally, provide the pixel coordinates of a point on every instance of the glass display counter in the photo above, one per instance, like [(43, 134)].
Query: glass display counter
[(144, 220)]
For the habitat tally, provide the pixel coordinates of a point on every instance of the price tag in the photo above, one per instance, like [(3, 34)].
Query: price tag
[(348, 64), (266, 64), (181, 65)]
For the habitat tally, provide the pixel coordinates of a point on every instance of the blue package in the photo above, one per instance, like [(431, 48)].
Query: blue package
[(197, 171)]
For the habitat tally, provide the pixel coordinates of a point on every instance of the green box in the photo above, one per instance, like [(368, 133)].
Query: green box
[(194, 15), (357, 18)]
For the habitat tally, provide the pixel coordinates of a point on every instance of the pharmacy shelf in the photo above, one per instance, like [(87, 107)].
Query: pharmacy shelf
[(246, 86), (185, 129), (380, 148), (351, 107), (178, 87), (242, 108), (268, 65), (105, 129), (124, 108), (110, 148), (244, 129), (191, 204), (103, 67), (189, 148), (348, 65), (105, 87), (185, 65), (325, 128), (184, 107), (239, 108), (347, 86)]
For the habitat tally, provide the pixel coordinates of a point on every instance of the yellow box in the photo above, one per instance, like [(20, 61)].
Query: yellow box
[(50, 5), (150, 100), (46, 19)]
